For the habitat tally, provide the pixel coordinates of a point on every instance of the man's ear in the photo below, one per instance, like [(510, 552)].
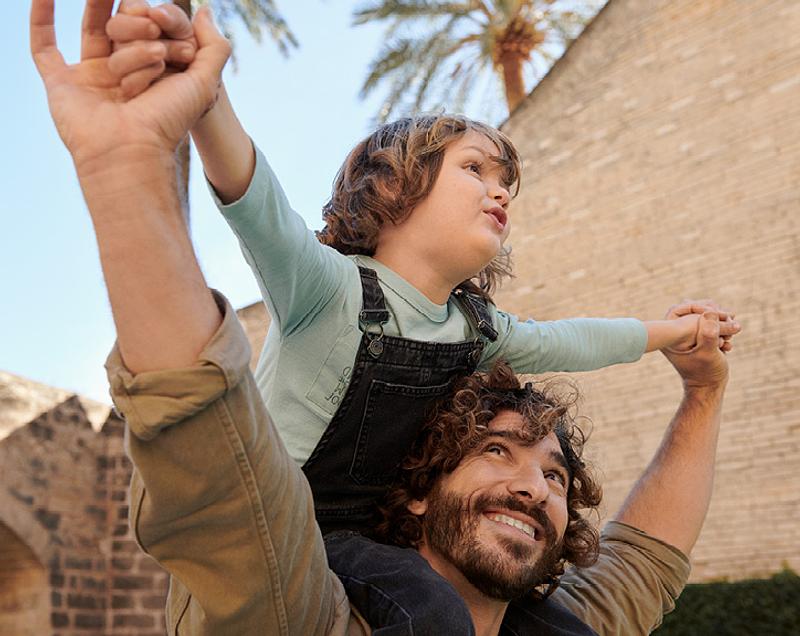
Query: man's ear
[(418, 506)]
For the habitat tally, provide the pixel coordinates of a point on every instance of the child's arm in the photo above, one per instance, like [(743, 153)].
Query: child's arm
[(228, 156), (224, 146), (296, 273), (586, 344)]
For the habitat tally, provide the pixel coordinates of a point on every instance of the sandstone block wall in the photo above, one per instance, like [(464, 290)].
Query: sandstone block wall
[(662, 161), (70, 564)]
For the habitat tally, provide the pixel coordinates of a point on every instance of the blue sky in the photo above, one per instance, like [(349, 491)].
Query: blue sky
[(55, 321)]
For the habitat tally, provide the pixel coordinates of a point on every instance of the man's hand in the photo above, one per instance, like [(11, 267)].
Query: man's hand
[(706, 366), (678, 331), (133, 31), (224, 146), (688, 313), (93, 115)]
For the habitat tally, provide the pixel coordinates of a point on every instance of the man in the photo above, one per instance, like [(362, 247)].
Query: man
[(215, 497)]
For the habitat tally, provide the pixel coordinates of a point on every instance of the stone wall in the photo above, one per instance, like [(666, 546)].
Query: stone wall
[(662, 157), (68, 554)]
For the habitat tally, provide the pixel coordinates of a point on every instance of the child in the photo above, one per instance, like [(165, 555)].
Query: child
[(374, 318)]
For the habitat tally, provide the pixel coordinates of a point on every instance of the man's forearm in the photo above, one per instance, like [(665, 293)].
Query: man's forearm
[(671, 498), (163, 311)]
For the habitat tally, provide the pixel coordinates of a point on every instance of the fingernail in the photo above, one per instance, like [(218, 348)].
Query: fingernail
[(210, 15)]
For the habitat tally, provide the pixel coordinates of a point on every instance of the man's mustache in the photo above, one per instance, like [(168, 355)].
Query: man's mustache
[(534, 511)]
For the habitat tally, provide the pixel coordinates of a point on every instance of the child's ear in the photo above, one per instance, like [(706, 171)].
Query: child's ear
[(418, 506)]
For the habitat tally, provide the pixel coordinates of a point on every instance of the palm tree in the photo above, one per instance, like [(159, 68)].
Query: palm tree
[(256, 15), (436, 51)]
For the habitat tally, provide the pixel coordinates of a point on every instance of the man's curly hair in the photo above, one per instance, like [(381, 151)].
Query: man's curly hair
[(391, 171), (458, 425)]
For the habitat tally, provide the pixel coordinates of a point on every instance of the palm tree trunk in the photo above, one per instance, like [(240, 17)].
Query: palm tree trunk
[(182, 151), (513, 81)]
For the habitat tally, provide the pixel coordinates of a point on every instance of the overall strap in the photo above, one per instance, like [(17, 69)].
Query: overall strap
[(373, 304), (476, 310)]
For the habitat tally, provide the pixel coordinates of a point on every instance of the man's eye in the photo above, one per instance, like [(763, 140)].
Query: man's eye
[(494, 448), (557, 477)]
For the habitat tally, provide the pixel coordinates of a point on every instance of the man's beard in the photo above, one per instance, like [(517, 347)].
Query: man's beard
[(451, 531)]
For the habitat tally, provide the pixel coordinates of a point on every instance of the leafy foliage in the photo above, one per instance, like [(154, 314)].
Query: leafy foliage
[(258, 16), (760, 606), (438, 53)]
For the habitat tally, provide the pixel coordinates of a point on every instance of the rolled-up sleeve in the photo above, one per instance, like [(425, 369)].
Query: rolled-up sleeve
[(635, 581), (217, 501)]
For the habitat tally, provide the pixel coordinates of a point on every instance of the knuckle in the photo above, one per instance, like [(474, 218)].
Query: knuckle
[(128, 88)]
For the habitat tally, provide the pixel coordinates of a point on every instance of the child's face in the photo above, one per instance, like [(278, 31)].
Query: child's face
[(463, 221)]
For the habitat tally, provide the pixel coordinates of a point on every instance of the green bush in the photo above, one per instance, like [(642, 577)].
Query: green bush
[(757, 607)]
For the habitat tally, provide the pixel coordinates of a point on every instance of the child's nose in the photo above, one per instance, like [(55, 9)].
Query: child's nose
[(500, 194)]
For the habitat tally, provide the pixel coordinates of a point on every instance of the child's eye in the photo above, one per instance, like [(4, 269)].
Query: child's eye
[(495, 449), (474, 167)]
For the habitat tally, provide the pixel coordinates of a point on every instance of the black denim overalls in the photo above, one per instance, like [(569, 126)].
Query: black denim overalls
[(393, 382)]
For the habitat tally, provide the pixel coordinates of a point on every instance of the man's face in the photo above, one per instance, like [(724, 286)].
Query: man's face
[(499, 518)]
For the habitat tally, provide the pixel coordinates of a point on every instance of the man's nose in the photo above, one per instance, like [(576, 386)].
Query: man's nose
[(530, 484)]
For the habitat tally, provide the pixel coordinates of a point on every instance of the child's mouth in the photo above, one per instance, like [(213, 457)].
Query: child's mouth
[(500, 216)]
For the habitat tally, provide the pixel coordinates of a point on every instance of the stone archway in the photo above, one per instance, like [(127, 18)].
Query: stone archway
[(24, 588)]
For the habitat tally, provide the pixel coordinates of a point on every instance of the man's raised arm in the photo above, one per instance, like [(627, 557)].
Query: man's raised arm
[(671, 498), (124, 155), (643, 564), (215, 497)]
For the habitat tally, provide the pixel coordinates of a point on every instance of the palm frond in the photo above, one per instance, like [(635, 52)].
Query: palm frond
[(258, 16), (405, 9), (393, 56)]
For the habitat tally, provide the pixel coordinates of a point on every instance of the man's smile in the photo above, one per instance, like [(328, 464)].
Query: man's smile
[(520, 523)]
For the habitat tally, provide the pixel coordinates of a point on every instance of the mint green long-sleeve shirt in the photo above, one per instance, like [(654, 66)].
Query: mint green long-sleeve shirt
[(313, 294)]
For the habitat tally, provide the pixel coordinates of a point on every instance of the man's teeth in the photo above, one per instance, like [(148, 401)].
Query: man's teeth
[(515, 523)]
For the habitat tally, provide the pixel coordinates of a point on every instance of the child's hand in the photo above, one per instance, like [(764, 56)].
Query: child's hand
[(683, 324), (148, 42)]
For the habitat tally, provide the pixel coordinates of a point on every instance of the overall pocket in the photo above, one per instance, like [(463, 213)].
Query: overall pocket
[(393, 416)]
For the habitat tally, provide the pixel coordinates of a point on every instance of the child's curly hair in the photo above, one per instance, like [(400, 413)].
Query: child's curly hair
[(458, 425), (387, 174)]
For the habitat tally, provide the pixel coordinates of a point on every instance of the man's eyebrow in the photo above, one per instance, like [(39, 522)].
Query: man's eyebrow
[(513, 435), (556, 456), (559, 458)]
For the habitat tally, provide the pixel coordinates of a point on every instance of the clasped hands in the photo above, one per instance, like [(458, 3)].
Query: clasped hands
[(100, 106)]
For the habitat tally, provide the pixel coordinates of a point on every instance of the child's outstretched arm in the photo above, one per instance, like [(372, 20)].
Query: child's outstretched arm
[(148, 40), (678, 331), (587, 344), (296, 273)]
